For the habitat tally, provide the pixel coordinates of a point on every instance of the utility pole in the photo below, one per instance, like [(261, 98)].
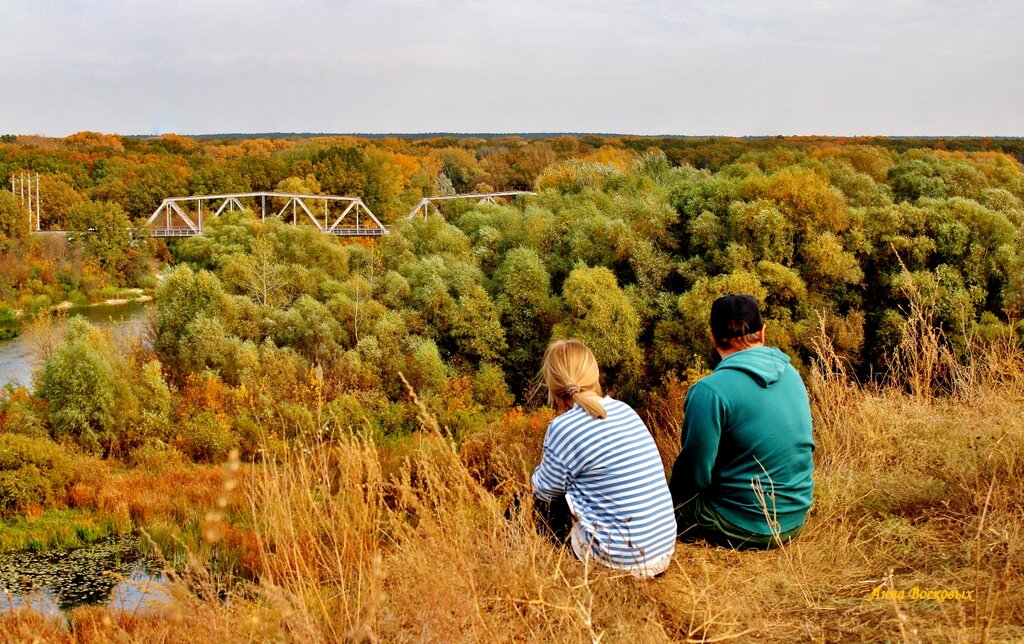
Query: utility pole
[(22, 185), (20, 194)]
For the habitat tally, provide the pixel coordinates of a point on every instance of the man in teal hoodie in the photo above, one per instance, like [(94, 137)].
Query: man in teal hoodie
[(743, 477)]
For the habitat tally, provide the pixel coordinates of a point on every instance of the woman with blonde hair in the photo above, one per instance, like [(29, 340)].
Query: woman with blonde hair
[(601, 458)]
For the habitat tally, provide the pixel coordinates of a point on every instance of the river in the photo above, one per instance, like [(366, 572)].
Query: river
[(17, 364), (112, 571)]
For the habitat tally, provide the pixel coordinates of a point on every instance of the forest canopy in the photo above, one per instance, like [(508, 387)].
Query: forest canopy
[(625, 245)]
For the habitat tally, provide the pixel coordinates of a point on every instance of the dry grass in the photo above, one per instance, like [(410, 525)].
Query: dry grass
[(353, 540)]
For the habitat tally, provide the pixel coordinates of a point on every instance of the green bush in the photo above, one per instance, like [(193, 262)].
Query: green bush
[(205, 437), (35, 304), (147, 282), (33, 472), (108, 293), (8, 317), (82, 388), (20, 414), (252, 437), (77, 298), (156, 458), (346, 414)]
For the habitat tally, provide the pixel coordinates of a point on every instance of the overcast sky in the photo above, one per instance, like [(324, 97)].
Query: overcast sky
[(736, 67)]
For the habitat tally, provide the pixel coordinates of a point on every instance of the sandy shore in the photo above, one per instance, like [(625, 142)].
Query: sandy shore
[(117, 301), (114, 301)]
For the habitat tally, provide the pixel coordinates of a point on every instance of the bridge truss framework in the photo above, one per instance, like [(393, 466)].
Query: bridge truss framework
[(423, 207), (189, 211)]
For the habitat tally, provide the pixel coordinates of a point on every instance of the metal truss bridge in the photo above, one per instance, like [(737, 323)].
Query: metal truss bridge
[(333, 215), (184, 216), (423, 207)]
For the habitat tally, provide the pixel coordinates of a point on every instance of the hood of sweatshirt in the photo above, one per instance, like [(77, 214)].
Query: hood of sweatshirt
[(764, 364)]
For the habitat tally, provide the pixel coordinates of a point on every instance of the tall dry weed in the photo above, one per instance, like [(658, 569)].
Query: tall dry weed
[(922, 361), (833, 399), (413, 540)]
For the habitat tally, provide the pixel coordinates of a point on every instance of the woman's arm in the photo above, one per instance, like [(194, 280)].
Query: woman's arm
[(551, 477)]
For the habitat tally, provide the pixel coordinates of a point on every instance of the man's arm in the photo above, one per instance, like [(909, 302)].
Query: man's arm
[(703, 417)]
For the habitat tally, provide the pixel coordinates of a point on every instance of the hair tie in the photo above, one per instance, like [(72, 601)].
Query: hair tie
[(572, 390)]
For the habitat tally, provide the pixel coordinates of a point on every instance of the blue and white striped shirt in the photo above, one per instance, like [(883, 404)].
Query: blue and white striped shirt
[(611, 475)]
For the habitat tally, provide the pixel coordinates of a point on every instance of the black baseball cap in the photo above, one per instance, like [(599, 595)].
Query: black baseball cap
[(734, 316)]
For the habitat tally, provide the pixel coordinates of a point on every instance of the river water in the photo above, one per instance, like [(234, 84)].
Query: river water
[(112, 571), (17, 363)]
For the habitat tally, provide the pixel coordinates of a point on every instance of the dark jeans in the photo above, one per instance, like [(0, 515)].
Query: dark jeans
[(554, 519), (698, 519)]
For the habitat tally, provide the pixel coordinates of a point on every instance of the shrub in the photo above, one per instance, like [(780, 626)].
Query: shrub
[(346, 414), (20, 414), (156, 458), (489, 387), (7, 315), (83, 390), (33, 472), (206, 437)]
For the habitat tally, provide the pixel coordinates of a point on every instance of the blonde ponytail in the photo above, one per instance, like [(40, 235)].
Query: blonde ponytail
[(570, 372)]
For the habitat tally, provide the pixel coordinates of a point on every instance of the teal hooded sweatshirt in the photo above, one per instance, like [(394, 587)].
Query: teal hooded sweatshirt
[(748, 421)]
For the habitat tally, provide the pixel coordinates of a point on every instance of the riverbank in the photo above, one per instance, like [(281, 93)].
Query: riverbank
[(119, 297), (106, 498), (59, 528), (121, 316)]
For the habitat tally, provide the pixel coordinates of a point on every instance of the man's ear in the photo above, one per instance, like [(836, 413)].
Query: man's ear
[(763, 328), (711, 336)]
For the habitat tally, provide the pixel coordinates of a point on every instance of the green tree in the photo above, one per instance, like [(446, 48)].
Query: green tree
[(154, 182), (527, 312), (599, 314), (105, 231), (57, 196), (86, 396), (184, 296), (258, 273), (764, 230)]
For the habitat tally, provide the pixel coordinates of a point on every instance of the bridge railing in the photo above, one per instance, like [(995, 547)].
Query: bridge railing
[(173, 232)]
